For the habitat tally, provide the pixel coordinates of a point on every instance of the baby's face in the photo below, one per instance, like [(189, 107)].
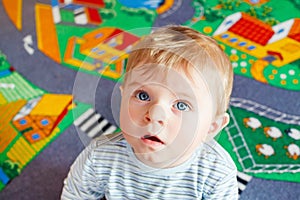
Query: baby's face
[(164, 115)]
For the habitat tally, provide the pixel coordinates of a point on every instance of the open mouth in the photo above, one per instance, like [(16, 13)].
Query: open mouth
[(152, 139)]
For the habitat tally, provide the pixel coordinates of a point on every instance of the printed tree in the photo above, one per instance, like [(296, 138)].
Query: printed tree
[(10, 168)]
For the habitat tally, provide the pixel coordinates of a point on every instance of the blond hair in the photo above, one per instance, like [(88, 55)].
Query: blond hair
[(182, 48)]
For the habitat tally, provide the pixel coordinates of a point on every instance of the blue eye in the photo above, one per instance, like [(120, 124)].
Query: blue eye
[(182, 106), (143, 96)]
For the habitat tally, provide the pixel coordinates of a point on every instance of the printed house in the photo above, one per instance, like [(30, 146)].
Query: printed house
[(41, 117), (108, 44), (85, 11), (278, 44), (106, 50)]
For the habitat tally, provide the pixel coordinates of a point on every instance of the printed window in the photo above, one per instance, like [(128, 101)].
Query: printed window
[(233, 40), (224, 36), (242, 44), (251, 47)]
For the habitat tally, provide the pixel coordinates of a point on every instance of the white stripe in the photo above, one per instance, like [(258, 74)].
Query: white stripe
[(245, 177), (97, 129), (90, 122), (110, 130), (8, 95), (56, 14), (18, 116), (84, 116), (67, 2), (241, 186)]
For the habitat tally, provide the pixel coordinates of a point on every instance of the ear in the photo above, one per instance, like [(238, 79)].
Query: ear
[(219, 124)]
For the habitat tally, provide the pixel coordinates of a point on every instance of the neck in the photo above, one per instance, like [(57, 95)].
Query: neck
[(156, 162)]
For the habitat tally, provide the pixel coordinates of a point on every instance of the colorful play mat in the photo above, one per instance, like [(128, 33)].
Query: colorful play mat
[(261, 38)]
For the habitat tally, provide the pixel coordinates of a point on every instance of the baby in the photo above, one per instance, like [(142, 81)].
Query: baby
[(175, 95)]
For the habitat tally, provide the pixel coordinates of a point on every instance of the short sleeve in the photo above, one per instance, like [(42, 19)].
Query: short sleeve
[(81, 182)]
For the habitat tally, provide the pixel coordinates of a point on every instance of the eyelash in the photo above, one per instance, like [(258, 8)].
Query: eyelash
[(187, 107), (139, 92)]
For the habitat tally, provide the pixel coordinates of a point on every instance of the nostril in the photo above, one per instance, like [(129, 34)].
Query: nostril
[(160, 122), (157, 113), (147, 118)]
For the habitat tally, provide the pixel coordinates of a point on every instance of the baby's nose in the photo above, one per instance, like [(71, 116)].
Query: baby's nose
[(157, 113)]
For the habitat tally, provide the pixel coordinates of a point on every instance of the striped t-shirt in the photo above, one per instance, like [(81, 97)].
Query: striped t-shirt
[(111, 170)]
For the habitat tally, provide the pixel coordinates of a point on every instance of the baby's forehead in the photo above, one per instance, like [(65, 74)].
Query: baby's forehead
[(175, 80)]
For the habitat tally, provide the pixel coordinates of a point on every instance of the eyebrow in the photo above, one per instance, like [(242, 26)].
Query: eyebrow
[(134, 84), (178, 94), (185, 95)]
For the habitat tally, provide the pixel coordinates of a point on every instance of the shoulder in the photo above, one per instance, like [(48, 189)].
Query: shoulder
[(216, 169), (220, 171), (215, 164), (112, 145), (106, 141), (215, 154)]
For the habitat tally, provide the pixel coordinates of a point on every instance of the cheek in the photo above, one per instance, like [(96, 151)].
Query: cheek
[(135, 110), (181, 128), (131, 116), (189, 127), (202, 129), (193, 128), (124, 114)]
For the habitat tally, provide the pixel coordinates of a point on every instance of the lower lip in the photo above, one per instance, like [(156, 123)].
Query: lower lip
[(151, 143)]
